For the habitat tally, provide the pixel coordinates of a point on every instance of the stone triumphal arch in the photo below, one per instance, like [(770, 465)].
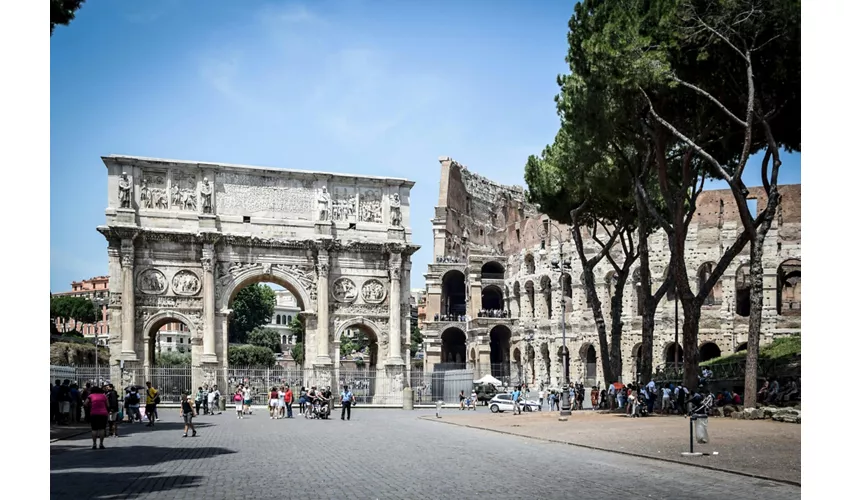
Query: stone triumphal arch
[(185, 237)]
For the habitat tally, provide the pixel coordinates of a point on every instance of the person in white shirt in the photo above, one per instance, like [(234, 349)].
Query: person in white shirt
[(612, 395), (212, 398), (665, 400)]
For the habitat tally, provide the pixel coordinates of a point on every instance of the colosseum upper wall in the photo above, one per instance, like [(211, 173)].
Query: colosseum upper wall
[(494, 251)]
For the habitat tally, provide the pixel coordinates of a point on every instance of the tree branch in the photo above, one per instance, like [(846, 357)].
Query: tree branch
[(717, 33), (712, 99)]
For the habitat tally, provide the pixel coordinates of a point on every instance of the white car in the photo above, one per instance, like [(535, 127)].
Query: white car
[(503, 402)]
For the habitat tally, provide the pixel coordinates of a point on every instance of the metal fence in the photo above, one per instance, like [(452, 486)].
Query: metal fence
[(440, 385)]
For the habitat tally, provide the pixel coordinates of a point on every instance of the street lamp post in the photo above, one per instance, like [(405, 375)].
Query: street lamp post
[(543, 232)]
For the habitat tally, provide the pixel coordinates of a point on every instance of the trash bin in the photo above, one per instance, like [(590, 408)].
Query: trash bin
[(439, 407), (701, 428)]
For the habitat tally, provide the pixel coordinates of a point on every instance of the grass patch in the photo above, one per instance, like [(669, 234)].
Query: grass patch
[(779, 349)]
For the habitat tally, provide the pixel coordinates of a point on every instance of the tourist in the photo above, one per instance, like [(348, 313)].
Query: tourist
[(302, 400), (187, 412), (790, 391), (462, 400), (612, 395), (132, 402), (346, 399), (273, 401), (151, 400), (736, 398), (665, 400), (652, 394), (681, 394), (246, 393), (761, 397), (632, 409), (773, 393), (238, 401), (552, 401), (84, 396), (74, 398), (594, 397), (540, 395), (200, 399), (515, 398), (213, 397), (98, 410), (473, 400), (114, 405), (603, 398), (622, 394), (281, 401), (287, 400)]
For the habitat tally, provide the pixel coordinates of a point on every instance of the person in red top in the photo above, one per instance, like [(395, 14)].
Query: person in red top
[(287, 399), (99, 411)]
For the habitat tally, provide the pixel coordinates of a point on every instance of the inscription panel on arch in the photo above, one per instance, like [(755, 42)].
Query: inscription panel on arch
[(238, 194)]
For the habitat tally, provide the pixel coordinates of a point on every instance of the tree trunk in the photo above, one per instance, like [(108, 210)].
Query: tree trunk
[(617, 319), (691, 309), (757, 300), (596, 306)]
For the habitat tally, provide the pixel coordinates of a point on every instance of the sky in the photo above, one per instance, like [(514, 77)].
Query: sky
[(361, 87)]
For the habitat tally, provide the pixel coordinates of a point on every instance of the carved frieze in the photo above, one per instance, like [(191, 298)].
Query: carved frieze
[(373, 291), (114, 299), (151, 281), (169, 302), (185, 283), (245, 193), (344, 205), (361, 309), (371, 207), (344, 290), (153, 192), (183, 191)]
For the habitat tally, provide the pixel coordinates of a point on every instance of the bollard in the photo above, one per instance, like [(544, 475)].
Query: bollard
[(222, 404), (407, 398), (691, 420), (439, 406)]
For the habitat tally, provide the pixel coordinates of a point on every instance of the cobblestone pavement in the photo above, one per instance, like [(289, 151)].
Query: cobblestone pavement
[(379, 454)]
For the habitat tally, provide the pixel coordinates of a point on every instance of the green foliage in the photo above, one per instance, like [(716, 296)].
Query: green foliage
[(415, 341), (250, 355), (297, 329), (79, 309), (75, 353), (298, 353), (174, 359), (358, 343), (252, 307), (63, 12), (780, 349), (265, 337)]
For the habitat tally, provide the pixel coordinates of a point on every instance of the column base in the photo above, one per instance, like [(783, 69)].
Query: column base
[(395, 233), (323, 361), (209, 358), (323, 227), (394, 361), (129, 356), (125, 216), (207, 222)]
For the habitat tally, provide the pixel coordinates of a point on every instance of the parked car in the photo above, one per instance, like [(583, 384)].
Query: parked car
[(503, 402), (485, 392)]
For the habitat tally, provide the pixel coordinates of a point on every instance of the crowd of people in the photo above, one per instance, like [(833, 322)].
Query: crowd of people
[(450, 317), (494, 313), (450, 259), (772, 392)]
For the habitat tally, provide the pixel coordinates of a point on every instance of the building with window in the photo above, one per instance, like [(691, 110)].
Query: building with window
[(285, 311)]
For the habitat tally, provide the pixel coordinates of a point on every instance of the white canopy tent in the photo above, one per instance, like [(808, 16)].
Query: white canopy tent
[(488, 379)]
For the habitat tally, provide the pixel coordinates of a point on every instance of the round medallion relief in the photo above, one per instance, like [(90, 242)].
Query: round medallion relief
[(344, 290), (185, 283), (374, 291), (151, 281)]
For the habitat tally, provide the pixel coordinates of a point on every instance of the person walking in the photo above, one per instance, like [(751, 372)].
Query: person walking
[(237, 399), (246, 393), (346, 399), (212, 400), (74, 392), (132, 403), (515, 398), (98, 410), (287, 400), (281, 401), (200, 399), (302, 400), (84, 396), (113, 403), (187, 412), (273, 401), (151, 400)]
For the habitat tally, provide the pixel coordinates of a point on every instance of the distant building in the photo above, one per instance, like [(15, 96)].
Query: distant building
[(285, 311)]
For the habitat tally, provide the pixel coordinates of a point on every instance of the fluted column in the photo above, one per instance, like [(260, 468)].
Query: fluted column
[(128, 303), (395, 311), (322, 267), (208, 263)]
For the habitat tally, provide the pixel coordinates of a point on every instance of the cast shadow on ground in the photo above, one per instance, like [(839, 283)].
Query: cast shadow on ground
[(77, 457), (111, 484), (125, 430)]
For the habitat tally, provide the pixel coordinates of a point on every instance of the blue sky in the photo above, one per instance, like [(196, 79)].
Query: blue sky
[(377, 88)]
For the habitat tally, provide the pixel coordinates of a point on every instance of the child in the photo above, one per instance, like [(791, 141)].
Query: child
[(237, 398), (187, 412)]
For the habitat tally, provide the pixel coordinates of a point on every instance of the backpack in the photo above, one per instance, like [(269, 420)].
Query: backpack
[(155, 398), (237, 397), (133, 399)]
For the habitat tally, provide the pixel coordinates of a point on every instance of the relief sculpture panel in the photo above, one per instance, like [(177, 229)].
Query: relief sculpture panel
[(373, 292), (154, 190), (185, 283), (151, 281), (344, 205), (371, 207), (240, 193), (183, 191), (345, 290)]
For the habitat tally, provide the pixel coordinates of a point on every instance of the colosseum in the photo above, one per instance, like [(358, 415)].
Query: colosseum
[(494, 291)]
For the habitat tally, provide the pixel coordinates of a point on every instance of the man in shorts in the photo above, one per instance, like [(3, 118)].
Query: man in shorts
[(151, 399), (187, 412)]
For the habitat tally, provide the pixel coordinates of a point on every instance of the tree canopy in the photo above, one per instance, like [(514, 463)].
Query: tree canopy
[(250, 355), (252, 307), (63, 12), (265, 337)]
